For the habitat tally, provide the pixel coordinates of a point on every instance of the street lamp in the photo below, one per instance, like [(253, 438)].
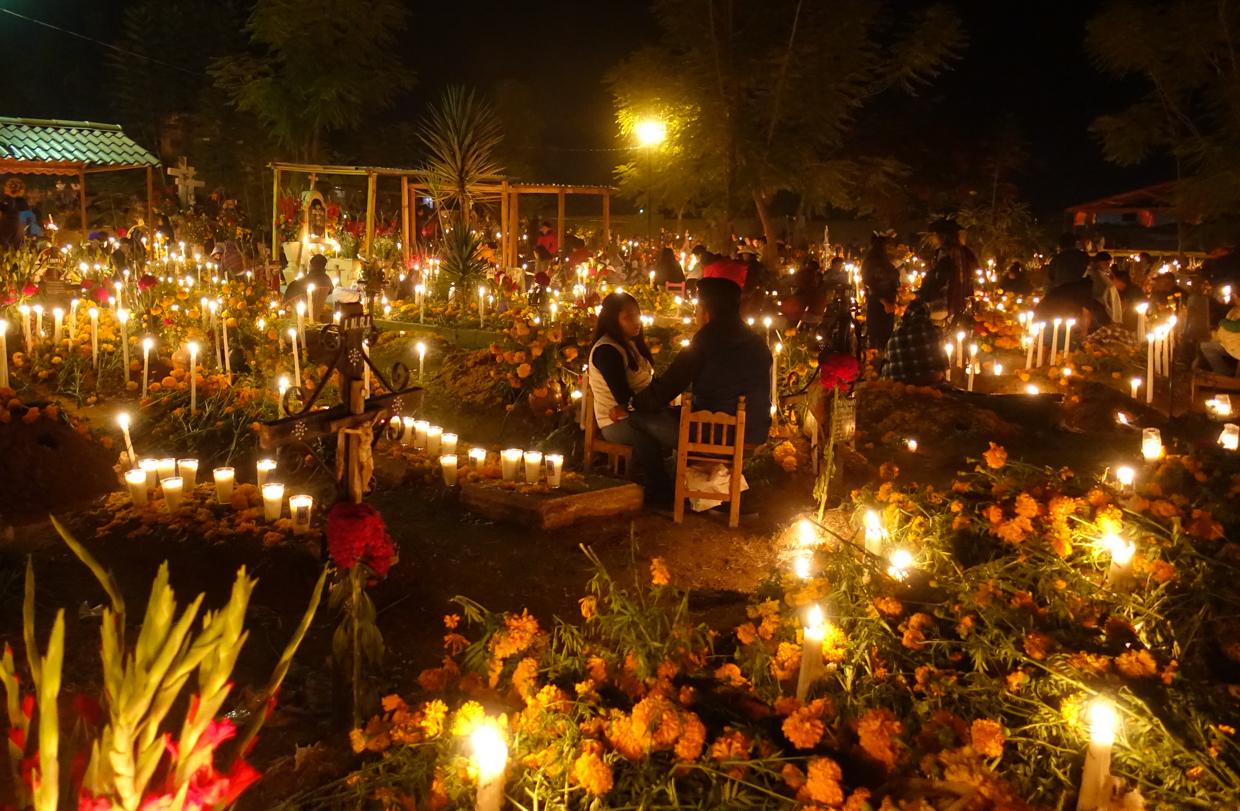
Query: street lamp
[(650, 133)]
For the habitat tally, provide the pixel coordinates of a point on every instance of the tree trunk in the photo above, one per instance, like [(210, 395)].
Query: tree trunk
[(770, 254)]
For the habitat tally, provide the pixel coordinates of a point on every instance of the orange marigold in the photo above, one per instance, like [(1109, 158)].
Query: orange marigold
[(1136, 664), (593, 773), (822, 783), (987, 737), (658, 572), (996, 457), (803, 728), (692, 738), (877, 731), (1037, 644)]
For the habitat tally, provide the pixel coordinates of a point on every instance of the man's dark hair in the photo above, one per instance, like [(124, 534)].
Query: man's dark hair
[(1067, 241), (318, 261), (719, 297), (1102, 256), (700, 251)]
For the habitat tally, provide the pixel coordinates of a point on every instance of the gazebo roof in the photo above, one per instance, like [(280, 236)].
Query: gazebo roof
[(37, 146)]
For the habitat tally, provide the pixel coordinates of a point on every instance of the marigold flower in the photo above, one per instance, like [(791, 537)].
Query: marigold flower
[(451, 620), (747, 634), (803, 729), (732, 745), (1136, 664), (987, 737), (1037, 644), (692, 738), (876, 732), (658, 572), (996, 457), (588, 606), (822, 783), (593, 774)]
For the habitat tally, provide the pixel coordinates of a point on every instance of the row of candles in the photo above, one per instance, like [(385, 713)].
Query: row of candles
[(514, 462)]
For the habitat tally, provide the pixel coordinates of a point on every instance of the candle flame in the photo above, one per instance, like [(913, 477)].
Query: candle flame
[(814, 618), (490, 752), (1102, 721)]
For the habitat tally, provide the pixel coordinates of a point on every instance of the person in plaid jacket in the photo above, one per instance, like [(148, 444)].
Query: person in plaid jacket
[(915, 352)]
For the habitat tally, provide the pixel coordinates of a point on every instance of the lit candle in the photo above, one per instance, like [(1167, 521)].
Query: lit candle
[(1096, 781), (263, 467), (1041, 338), (1055, 341), (949, 348), (1230, 438), (301, 320), (1121, 553), (555, 466), (273, 501), (25, 311), (1151, 444), (972, 364), (4, 352), (1142, 308), (58, 323), (482, 303), (960, 348), (38, 323), (166, 468), (299, 508), (123, 419), (901, 562), (491, 758), (448, 444), (147, 343), (151, 468), (1149, 368), (224, 478), (1067, 337), (477, 457), (193, 377), (1135, 385), (509, 461), (912, 446), (187, 469), (136, 480), (227, 360), (998, 369), (420, 429), (1219, 406), (533, 466), (94, 337), (172, 492), (873, 533), (310, 300), (284, 384), (421, 361), (434, 434), (811, 651), (448, 463), (407, 436), (1124, 476), (292, 335)]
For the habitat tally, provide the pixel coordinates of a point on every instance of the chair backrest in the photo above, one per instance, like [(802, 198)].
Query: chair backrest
[(710, 432), (679, 287)]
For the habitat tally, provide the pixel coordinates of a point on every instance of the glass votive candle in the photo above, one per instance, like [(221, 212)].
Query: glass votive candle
[(1151, 444), (151, 468), (448, 444), (433, 436), (264, 467), (299, 508), (1124, 475), (1230, 438), (224, 478), (555, 466), (448, 463), (533, 466), (509, 461), (136, 479), (407, 437), (477, 457), (1219, 408), (273, 501), (172, 491), (420, 428), (187, 469), (166, 468)]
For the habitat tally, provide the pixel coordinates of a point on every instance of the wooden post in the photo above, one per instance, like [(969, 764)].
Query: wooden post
[(275, 215), (559, 222), (504, 232), (82, 200), (371, 179), (606, 218), (150, 205), (515, 228), (413, 218), (404, 218)]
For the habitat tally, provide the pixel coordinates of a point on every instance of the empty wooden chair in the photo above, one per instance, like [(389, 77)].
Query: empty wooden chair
[(713, 438)]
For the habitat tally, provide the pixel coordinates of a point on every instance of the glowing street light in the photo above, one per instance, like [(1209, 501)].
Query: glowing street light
[(651, 132)]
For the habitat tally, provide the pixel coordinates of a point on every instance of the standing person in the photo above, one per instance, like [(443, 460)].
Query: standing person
[(1099, 273), (1068, 265), (621, 367), (882, 284), (548, 241), (667, 268), (953, 269)]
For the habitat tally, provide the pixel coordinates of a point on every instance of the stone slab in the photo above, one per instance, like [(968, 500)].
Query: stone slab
[(596, 496)]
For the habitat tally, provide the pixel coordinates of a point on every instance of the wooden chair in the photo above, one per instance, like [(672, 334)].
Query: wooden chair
[(678, 287), (594, 443), (706, 436)]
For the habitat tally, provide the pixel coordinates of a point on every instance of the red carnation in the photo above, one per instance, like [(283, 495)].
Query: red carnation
[(838, 370), (100, 294), (146, 281), (356, 534), (29, 289)]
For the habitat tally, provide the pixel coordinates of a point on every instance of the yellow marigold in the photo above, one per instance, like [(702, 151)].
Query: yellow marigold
[(888, 606), (433, 715), (1026, 506), (822, 784), (525, 677), (803, 729), (524, 371), (1037, 644), (1136, 664), (593, 774), (876, 731), (993, 514), (732, 745), (1015, 680), (1110, 519), (731, 675), (987, 737), (996, 457), (658, 572), (655, 723), (1015, 530), (622, 738), (467, 718), (692, 738), (747, 634)]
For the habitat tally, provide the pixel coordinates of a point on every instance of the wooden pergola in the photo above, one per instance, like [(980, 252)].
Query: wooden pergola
[(414, 180), (32, 146)]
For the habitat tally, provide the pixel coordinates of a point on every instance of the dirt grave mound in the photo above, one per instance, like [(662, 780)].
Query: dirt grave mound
[(46, 466)]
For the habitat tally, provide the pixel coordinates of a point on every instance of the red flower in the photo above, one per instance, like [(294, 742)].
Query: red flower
[(356, 534), (100, 294), (87, 709), (838, 370), (29, 289), (146, 281)]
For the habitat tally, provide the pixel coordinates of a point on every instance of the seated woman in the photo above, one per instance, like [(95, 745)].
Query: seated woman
[(621, 365)]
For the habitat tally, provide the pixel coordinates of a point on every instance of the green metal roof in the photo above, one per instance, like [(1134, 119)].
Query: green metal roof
[(85, 143)]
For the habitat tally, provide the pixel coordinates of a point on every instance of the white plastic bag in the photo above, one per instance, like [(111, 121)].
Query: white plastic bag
[(709, 480)]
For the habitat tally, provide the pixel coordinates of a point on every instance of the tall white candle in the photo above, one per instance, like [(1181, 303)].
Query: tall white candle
[(491, 758), (1142, 308), (224, 479), (811, 651), (94, 337), (421, 361), (193, 377), (1055, 341), (365, 369), (1149, 368), (147, 343), (25, 311), (227, 360), (123, 419), (284, 384), (960, 348), (123, 317), (187, 469), (434, 437), (310, 302), (482, 304), (136, 481), (873, 533), (292, 336), (1096, 780), (1041, 338), (410, 430), (38, 323), (58, 323), (273, 501), (301, 320), (1135, 384), (1067, 337), (1029, 355)]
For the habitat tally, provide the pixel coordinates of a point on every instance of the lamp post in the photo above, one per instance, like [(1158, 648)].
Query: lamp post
[(650, 133)]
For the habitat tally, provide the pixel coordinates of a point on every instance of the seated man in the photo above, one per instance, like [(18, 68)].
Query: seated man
[(1222, 352), (296, 290), (915, 351), (725, 360)]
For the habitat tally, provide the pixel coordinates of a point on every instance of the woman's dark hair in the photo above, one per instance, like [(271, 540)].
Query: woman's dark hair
[(609, 325), (878, 250)]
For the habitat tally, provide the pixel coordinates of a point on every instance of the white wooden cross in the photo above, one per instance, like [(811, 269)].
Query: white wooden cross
[(184, 174)]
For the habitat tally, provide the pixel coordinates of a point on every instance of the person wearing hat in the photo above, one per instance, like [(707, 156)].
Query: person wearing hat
[(952, 270), (228, 256), (297, 289), (882, 284)]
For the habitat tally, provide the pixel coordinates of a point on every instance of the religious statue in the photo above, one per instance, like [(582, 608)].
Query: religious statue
[(316, 221)]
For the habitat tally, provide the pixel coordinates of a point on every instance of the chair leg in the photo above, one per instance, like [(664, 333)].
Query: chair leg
[(734, 485)]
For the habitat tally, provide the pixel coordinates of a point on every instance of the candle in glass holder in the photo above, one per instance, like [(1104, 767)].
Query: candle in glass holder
[(167, 468), (151, 468), (477, 457), (555, 466), (1230, 438), (187, 469), (264, 467), (172, 492), (1124, 475), (420, 429), (434, 436), (136, 479), (224, 478), (533, 466), (447, 444), (407, 436), (1219, 407), (299, 508), (449, 469), (273, 501), (510, 460), (1151, 444), (873, 533)]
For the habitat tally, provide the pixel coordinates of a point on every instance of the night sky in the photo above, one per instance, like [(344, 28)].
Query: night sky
[(1025, 62)]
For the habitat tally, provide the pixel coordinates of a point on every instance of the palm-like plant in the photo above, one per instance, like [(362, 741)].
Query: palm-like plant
[(462, 264), (462, 135)]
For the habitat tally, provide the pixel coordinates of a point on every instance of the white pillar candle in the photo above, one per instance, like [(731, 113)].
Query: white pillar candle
[(491, 759), (167, 468), (555, 466), (301, 319), (948, 348), (151, 468), (1055, 341), (1041, 338), (421, 362), (510, 460), (482, 305), (202, 308), (434, 437), (1168, 346), (224, 478), (310, 302), (448, 463), (187, 469), (38, 323), (123, 419), (264, 467), (273, 501), (25, 311), (448, 444), (147, 343), (477, 458), (58, 323), (299, 508), (1141, 326), (811, 651), (227, 360), (420, 429), (970, 369), (1121, 553), (94, 337), (533, 466), (172, 492), (410, 430), (136, 480), (1230, 438), (873, 534), (1031, 338), (123, 317), (292, 336), (1096, 780), (960, 348), (193, 377), (1135, 385), (1151, 444), (1124, 475), (1149, 368), (1067, 337)]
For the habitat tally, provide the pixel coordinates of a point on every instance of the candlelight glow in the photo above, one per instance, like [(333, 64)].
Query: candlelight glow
[(1121, 551), (1102, 721), (490, 752), (814, 618)]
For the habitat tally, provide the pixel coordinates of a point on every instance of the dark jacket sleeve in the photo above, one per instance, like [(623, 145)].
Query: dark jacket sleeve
[(676, 380), (610, 363)]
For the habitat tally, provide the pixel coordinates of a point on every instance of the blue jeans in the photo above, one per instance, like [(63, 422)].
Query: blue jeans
[(651, 434), (1221, 363)]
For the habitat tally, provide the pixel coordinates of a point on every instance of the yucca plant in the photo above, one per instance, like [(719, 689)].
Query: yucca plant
[(462, 135), (461, 259)]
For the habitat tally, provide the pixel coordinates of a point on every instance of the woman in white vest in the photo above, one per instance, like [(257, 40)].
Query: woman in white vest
[(621, 365)]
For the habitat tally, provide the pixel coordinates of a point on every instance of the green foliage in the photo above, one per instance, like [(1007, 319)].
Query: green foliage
[(462, 264), (462, 135)]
